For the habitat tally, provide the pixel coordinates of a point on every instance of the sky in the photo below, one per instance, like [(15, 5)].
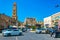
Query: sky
[(38, 9)]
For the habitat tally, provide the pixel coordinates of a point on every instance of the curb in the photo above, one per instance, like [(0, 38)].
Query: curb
[(32, 31)]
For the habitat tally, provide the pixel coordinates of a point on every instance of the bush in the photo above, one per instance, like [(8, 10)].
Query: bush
[(33, 27)]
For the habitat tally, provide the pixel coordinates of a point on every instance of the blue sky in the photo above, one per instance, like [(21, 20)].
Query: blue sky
[(38, 9)]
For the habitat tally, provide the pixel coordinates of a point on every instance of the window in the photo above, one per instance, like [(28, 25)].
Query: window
[(15, 30)]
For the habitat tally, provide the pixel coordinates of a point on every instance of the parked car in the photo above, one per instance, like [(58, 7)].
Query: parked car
[(9, 32), (43, 30), (56, 35), (49, 30), (38, 30), (52, 32), (24, 29), (31, 29)]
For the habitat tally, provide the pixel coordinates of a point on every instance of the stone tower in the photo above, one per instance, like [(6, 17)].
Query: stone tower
[(14, 15)]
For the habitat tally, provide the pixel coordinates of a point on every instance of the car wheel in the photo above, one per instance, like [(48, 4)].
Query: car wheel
[(3, 35), (20, 34), (39, 32), (57, 36), (9, 34), (36, 32)]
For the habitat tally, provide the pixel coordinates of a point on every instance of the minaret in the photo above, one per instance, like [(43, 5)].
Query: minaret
[(14, 15)]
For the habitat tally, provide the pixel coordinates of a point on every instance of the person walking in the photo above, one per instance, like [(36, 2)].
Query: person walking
[(51, 33)]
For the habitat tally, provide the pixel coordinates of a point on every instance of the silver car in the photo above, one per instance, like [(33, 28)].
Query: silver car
[(41, 30), (38, 31), (9, 32)]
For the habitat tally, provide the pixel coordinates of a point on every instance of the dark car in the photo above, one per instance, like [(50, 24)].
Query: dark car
[(24, 29), (52, 32), (49, 30), (57, 35)]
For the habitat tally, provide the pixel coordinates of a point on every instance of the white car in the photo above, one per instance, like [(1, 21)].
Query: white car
[(38, 31), (31, 29), (9, 32), (43, 30)]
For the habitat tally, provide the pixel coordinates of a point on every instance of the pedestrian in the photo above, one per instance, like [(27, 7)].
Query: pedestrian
[(8, 26), (51, 33)]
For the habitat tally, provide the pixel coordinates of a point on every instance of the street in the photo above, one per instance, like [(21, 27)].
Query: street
[(29, 36)]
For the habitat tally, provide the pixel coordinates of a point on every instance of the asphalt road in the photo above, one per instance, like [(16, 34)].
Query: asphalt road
[(29, 36)]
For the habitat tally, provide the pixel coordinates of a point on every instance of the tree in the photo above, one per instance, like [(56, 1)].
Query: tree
[(33, 27)]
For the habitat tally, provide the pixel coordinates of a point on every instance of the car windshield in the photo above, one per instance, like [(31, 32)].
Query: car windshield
[(50, 29), (43, 29), (15, 30), (38, 28), (8, 29)]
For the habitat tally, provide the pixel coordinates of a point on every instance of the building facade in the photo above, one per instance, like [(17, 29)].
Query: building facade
[(41, 23), (52, 20), (47, 21), (5, 20), (30, 21)]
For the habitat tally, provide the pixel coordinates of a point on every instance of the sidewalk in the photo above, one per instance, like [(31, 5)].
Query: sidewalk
[(32, 31)]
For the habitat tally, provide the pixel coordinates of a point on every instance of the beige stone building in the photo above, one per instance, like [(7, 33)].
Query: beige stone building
[(30, 21), (51, 20), (41, 23)]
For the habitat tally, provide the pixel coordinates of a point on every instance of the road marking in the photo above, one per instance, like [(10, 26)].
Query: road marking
[(16, 38)]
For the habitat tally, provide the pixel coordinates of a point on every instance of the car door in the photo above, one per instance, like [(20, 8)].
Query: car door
[(12, 32), (15, 32)]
